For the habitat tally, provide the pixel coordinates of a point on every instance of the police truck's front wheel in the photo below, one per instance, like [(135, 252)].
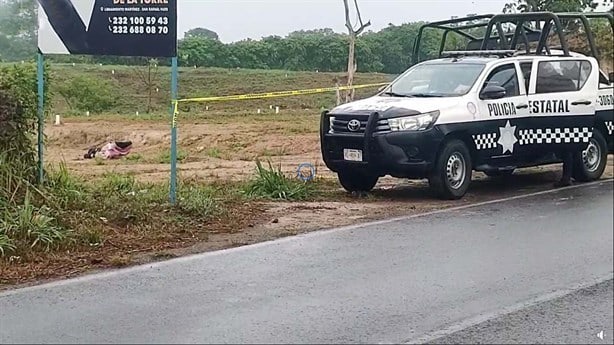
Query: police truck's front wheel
[(451, 176), (354, 181), (590, 164)]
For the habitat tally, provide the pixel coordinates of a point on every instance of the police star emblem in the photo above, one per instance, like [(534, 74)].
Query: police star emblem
[(507, 139)]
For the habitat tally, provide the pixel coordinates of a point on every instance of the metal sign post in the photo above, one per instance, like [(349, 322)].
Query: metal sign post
[(106, 27), (40, 81), (173, 184)]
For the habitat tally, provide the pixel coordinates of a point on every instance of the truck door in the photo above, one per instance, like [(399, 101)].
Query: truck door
[(562, 96), (505, 114)]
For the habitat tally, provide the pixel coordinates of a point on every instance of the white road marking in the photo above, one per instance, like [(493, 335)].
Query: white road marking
[(472, 321)]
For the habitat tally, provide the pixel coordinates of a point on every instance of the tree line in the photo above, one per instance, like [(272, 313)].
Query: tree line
[(388, 50)]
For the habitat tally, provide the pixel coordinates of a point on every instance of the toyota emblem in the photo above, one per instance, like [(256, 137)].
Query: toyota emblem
[(354, 125)]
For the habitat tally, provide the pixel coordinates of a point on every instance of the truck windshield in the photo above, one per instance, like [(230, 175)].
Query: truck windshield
[(436, 80)]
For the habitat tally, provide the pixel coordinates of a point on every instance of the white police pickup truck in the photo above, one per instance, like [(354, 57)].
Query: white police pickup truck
[(489, 111)]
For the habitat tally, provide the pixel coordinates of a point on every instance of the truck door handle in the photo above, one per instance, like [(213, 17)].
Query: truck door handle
[(522, 106), (581, 103)]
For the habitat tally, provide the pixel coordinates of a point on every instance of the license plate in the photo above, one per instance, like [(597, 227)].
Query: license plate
[(352, 155)]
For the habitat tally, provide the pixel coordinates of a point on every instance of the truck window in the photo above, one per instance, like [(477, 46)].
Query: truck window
[(437, 80), (562, 76), (526, 67), (505, 76)]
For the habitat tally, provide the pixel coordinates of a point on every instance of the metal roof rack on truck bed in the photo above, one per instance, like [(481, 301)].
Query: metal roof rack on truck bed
[(512, 30), (467, 27), (480, 53), (584, 17)]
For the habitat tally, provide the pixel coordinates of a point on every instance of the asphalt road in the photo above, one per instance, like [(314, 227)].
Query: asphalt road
[(584, 316), (393, 281)]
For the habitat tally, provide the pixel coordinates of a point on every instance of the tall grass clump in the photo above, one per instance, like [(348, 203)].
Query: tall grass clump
[(26, 220), (272, 183)]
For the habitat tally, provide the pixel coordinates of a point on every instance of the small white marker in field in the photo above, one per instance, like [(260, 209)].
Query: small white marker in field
[(276, 110), (157, 90), (258, 111), (206, 107), (74, 64), (137, 113), (58, 120), (286, 75), (270, 106), (99, 64), (87, 113), (112, 71)]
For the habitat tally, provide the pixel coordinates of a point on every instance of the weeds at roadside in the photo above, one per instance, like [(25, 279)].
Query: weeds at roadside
[(272, 183), (81, 207)]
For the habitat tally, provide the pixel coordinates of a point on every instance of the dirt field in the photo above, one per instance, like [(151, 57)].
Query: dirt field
[(208, 149)]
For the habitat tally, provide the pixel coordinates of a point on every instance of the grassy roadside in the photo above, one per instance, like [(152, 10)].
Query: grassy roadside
[(103, 222)]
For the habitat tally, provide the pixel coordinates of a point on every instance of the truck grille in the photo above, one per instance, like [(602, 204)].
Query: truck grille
[(382, 126), (340, 124)]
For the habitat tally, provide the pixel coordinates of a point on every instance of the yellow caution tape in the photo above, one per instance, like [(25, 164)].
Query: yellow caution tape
[(266, 95), (275, 94)]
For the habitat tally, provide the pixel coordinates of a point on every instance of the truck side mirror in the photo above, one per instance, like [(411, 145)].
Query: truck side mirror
[(492, 92)]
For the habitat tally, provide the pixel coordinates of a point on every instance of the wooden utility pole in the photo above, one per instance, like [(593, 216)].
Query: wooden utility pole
[(353, 32)]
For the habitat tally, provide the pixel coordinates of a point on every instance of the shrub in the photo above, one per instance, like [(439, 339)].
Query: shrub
[(85, 93), (18, 119), (25, 220)]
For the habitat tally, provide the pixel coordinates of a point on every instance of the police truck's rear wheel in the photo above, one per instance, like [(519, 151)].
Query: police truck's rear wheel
[(354, 181), (451, 176), (590, 164)]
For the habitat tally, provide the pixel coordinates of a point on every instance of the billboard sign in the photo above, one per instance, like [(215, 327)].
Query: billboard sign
[(108, 27)]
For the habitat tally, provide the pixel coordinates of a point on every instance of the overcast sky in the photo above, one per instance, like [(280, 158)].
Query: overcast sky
[(235, 20)]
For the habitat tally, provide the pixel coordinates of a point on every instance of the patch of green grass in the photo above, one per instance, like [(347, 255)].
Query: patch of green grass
[(276, 152), (198, 200), (304, 129), (165, 157), (134, 157), (272, 183), (203, 82), (214, 152)]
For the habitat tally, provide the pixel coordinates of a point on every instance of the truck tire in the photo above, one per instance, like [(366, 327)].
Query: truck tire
[(353, 181), (453, 170), (590, 164)]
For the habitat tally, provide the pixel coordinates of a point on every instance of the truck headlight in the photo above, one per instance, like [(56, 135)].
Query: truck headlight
[(413, 123)]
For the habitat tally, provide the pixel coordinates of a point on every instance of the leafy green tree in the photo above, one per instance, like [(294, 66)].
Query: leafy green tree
[(202, 33), (18, 29)]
